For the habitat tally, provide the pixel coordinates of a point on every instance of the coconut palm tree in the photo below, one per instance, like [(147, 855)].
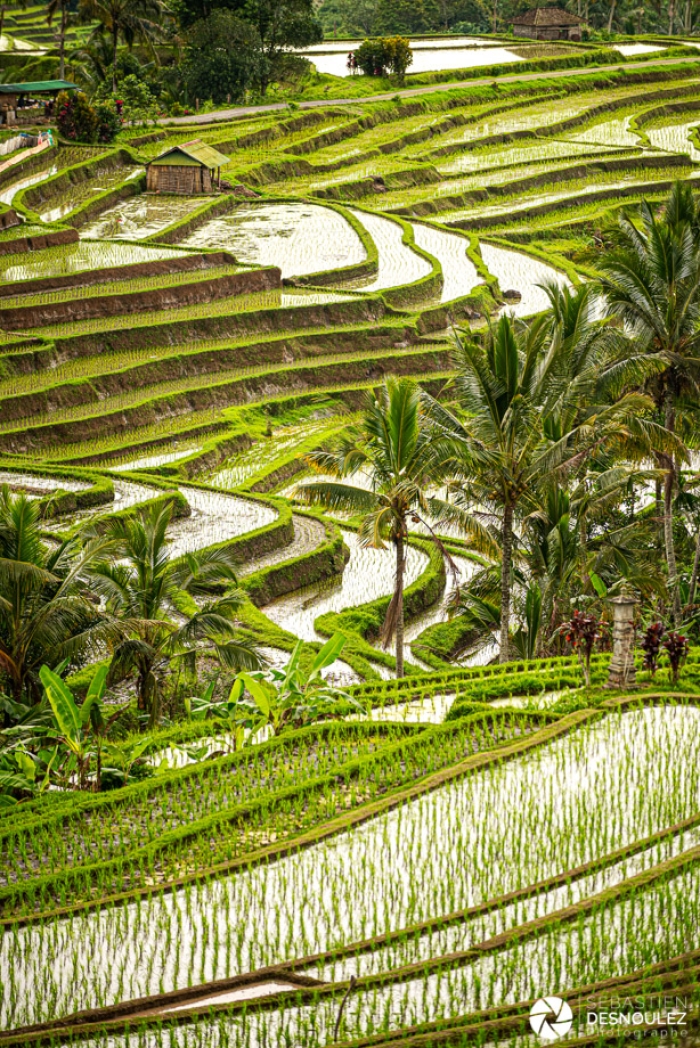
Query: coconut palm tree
[(651, 282), (392, 447), (580, 542), (493, 451), (62, 9), (532, 408), (155, 596), (47, 610), (125, 20)]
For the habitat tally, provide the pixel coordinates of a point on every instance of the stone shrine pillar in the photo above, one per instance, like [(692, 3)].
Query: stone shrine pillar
[(622, 673)]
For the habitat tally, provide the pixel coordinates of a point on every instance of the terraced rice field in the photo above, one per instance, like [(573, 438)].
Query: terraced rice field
[(139, 218), (454, 856), (300, 239)]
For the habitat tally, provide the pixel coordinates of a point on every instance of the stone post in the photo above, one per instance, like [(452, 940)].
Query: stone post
[(622, 673)]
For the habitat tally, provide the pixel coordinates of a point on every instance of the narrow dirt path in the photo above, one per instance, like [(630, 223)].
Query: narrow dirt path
[(484, 81)]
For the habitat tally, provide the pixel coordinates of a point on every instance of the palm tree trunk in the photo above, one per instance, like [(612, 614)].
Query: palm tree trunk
[(671, 16), (398, 593), (142, 685), (115, 38), (696, 571), (688, 16), (669, 487), (506, 569), (673, 592), (62, 42), (613, 5), (583, 551)]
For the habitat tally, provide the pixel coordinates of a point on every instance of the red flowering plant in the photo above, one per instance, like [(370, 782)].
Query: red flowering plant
[(76, 118), (676, 646), (581, 632), (651, 646)]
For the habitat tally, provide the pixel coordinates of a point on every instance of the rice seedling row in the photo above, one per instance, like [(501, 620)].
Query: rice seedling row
[(242, 826), (328, 873)]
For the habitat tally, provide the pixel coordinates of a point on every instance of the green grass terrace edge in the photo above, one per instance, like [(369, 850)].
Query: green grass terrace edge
[(534, 927), (31, 196), (338, 824), (100, 491)]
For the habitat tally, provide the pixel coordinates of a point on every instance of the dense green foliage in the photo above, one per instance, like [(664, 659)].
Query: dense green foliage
[(347, 17), (384, 55), (224, 57)]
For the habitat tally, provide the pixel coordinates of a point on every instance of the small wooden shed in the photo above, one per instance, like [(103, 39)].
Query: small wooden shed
[(548, 23), (189, 168)]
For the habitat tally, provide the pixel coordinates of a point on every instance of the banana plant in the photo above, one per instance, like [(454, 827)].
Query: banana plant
[(278, 699), (25, 773), (80, 729), (121, 759), (292, 697)]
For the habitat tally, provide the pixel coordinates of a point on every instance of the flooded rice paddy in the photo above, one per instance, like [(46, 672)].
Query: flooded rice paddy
[(428, 55), (214, 518), (8, 194), (139, 217), (78, 258), (518, 272), (398, 263), (463, 844), (299, 238), (368, 575), (459, 273)]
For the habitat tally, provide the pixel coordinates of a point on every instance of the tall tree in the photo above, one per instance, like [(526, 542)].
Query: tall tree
[(47, 613), (62, 8), (392, 447), (153, 594), (651, 282), (127, 21), (280, 24), (493, 448), (223, 57), (532, 407)]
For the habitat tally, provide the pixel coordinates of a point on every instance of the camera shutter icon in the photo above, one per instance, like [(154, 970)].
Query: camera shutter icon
[(550, 1018)]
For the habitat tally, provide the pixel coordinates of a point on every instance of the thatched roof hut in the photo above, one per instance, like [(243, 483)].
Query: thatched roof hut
[(189, 168), (548, 23)]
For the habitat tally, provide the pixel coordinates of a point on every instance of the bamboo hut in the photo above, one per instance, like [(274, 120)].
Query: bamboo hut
[(189, 168)]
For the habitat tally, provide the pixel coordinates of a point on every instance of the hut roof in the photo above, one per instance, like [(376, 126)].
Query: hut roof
[(547, 17), (194, 152), (36, 87)]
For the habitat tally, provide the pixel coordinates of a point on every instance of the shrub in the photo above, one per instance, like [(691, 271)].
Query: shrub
[(581, 632), (109, 122), (80, 121), (391, 54), (651, 646), (76, 118), (136, 100)]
